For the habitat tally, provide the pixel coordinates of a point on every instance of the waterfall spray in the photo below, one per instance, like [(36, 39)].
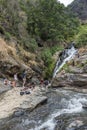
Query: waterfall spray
[(66, 55)]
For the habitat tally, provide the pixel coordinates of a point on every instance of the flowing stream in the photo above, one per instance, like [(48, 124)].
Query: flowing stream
[(63, 110), (66, 55), (71, 104)]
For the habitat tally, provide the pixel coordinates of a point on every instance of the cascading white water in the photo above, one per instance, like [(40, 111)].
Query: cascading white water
[(74, 105), (70, 54)]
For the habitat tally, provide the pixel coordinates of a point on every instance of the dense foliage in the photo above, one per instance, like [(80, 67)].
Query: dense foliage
[(9, 18), (79, 8), (81, 37), (26, 21), (49, 20), (49, 62)]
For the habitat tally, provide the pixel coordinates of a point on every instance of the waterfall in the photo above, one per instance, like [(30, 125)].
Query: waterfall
[(66, 55)]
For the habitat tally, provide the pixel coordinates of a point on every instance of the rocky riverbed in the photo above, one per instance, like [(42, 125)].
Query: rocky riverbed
[(62, 111), (73, 75), (11, 100), (59, 108)]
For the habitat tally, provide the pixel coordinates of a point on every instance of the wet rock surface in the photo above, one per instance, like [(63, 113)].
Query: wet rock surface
[(75, 75), (48, 109), (39, 118), (69, 79), (75, 122), (13, 97)]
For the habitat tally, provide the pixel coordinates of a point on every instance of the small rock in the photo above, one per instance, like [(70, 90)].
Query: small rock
[(76, 123), (18, 113)]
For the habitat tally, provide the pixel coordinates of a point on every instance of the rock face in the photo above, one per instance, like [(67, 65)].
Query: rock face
[(78, 80), (18, 102), (85, 69), (79, 7), (76, 76), (76, 123), (14, 59)]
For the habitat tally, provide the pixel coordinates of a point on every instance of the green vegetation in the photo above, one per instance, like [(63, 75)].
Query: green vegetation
[(66, 68), (9, 18), (56, 48), (47, 20), (81, 37), (50, 21), (46, 56), (29, 44)]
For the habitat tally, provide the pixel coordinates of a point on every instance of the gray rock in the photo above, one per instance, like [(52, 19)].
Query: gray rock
[(36, 100), (74, 124), (69, 79), (18, 113), (85, 69)]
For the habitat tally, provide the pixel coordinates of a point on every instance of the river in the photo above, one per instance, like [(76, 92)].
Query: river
[(63, 111)]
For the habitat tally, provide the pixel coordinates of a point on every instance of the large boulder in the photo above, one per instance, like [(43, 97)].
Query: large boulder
[(69, 79), (34, 102), (18, 103)]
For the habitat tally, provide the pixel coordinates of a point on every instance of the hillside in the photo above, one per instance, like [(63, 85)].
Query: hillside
[(79, 7), (36, 26), (13, 58), (40, 20), (43, 65)]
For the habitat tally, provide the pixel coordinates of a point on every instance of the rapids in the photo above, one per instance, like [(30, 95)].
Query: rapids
[(62, 109)]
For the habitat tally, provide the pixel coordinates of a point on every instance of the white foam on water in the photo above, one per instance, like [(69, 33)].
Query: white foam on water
[(71, 53), (74, 106)]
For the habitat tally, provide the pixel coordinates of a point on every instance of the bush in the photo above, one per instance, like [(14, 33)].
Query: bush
[(82, 40), (49, 70), (29, 44), (48, 62), (7, 35), (56, 48), (1, 30), (33, 45), (81, 37), (46, 56), (66, 68)]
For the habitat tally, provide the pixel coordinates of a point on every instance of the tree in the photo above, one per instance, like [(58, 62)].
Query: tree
[(49, 19)]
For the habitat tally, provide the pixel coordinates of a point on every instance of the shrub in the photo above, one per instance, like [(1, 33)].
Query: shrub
[(48, 61), (29, 44), (7, 35), (1, 30), (46, 56), (81, 37), (56, 48), (49, 70), (33, 45), (82, 40)]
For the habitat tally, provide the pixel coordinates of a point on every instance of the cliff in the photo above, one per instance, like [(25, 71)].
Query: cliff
[(79, 8)]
